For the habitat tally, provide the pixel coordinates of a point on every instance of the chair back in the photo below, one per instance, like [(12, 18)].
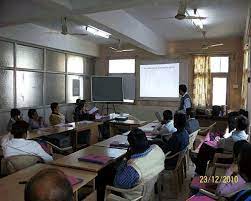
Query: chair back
[(14, 163), (181, 157), (148, 188), (192, 138)]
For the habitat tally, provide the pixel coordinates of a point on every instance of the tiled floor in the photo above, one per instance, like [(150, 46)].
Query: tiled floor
[(168, 195)]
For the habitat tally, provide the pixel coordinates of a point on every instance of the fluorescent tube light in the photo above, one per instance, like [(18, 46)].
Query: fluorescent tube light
[(97, 32)]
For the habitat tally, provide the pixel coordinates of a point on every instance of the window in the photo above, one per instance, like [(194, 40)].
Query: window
[(124, 68), (219, 64), (219, 91), (75, 64), (219, 74)]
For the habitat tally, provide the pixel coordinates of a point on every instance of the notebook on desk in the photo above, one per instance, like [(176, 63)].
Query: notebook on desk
[(200, 197), (74, 180), (99, 159)]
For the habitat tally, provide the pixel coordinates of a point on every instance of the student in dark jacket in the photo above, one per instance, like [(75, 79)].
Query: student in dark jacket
[(81, 114), (192, 124), (179, 140)]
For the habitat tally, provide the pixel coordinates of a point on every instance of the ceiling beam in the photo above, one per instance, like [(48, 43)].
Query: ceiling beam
[(130, 29)]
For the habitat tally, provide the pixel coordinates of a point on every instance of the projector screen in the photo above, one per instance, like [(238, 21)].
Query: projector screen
[(107, 89), (159, 80)]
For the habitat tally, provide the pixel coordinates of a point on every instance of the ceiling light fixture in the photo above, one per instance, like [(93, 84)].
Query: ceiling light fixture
[(197, 22), (97, 32)]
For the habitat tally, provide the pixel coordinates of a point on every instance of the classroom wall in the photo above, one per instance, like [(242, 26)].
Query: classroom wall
[(180, 50), (33, 76)]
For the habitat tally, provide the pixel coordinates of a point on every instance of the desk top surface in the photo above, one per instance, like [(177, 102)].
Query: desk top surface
[(129, 122), (83, 125), (122, 139), (11, 190), (72, 161)]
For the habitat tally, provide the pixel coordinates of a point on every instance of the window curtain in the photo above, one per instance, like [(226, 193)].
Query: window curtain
[(244, 89), (202, 82)]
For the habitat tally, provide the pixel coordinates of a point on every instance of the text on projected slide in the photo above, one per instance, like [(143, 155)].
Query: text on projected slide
[(159, 80)]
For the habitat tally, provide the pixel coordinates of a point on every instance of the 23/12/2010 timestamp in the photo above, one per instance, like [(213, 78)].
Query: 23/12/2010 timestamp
[(218, 179)]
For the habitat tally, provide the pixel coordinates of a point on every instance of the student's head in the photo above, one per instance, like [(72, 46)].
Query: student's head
[(182, 89), (48, 185), (32, 114), (137, 141), (244, 162), (242, 123), (15, 114), (19, 129), (54, 107), (81, 103), (167, 115), (190, 113), (243, 112), (179, 120), (237, 148), (78, 101)]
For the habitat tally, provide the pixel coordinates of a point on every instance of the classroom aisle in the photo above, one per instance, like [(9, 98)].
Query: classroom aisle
[(183, 195)]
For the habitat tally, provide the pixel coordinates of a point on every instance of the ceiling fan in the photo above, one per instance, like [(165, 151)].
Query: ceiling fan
[(206, 44), (64, 29), (182, 13), (119, 48)]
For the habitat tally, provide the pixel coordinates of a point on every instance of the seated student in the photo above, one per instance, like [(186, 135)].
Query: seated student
[(16, 144), (239, 134), (48, 185), (56, 117), (166, 126), (15, 115), (142, 162), (192, 124), (35, 121), (81, 112), (207, 151), (178, 141), (244, 167), (225, 188)]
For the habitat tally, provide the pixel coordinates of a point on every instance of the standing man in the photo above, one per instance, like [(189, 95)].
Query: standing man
[(185, 101)]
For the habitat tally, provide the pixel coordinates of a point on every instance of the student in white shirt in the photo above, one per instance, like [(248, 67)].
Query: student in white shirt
[(16, 144), (242, 124), (166, 126)]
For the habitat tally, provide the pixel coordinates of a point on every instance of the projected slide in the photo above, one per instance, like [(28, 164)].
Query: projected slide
[(159, 80)]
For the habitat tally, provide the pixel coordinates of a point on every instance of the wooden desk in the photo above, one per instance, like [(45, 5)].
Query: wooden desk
[(118, 138), (128, 125), (49, 131), (13, 191), (75, 128), (71, 160), (86, 125), (149, 127)]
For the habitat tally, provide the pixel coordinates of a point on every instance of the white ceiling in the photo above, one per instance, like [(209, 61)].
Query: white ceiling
[(224, 18), (130, 20), (74, 27)]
